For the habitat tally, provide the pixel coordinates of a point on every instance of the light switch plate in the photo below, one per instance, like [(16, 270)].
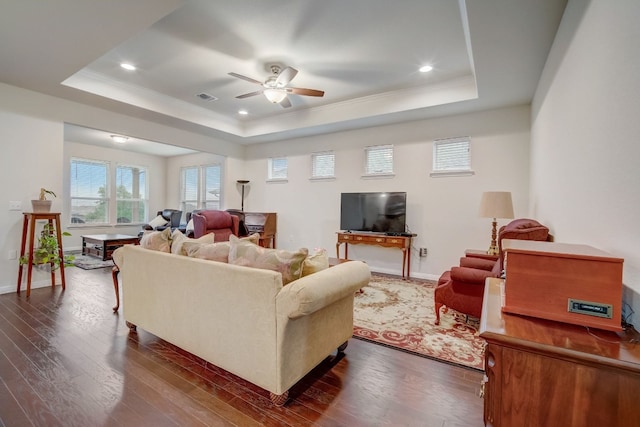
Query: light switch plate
[(15, 205)]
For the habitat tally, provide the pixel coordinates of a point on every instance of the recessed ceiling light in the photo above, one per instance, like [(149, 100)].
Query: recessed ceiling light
[(426, 68), (119, 138), (128, 67), (243, 112)]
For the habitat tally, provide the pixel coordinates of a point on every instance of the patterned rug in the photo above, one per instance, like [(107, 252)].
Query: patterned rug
[(90, 263), (400, 313)]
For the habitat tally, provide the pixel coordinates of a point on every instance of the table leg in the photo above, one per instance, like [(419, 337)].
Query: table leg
[(61, 254), (404, 260), (114, 275), (32, 229), (25, 224)]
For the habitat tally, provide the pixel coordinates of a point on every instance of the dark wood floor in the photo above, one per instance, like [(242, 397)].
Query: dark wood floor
[(67, 360)]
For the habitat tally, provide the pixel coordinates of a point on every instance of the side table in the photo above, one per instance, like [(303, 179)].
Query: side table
[(29, 222)]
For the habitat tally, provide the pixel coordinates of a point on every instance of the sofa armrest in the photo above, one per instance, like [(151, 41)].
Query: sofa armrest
[(318, 290), (470, 275), (482, 264)]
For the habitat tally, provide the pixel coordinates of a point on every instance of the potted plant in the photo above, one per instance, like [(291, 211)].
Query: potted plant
[(47, 252), (42, 204)]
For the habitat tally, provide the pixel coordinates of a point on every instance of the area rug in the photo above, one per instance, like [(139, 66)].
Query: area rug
[(90, 263), (400, 314)]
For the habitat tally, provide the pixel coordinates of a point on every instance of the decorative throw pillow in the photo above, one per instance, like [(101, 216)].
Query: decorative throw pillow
[(157, 240), (209, 251), (178, 239), (215, 251), (315, 262), (189, 227), (287, 263), (157, 221)]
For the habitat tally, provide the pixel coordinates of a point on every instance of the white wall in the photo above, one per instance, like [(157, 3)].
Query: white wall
[(442, 211), (585, 127)]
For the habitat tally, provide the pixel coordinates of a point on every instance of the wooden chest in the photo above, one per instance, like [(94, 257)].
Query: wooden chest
[(569, 283)]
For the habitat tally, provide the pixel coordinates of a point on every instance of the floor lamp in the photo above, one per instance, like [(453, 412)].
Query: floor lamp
[(242, 182), (495, 204)]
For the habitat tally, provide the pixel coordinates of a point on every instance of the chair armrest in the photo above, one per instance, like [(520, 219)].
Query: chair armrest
[(480, 263), (470, 275)]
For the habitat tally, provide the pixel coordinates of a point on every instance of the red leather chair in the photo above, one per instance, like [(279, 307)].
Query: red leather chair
[(221, 223), (462, 288)]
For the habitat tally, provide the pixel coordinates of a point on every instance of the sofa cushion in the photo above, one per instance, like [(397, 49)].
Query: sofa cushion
[(157, 240), (315, 262), (214, 251), (178, 239), (287, 263), (209, 251), (158, 221)]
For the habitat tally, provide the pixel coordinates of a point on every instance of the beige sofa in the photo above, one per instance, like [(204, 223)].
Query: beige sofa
[(241, 319)]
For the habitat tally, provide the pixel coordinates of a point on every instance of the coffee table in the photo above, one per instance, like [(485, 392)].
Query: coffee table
[(103, 245)]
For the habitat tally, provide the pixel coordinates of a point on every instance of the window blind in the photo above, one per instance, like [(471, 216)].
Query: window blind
[(379, 160), (323, 164)]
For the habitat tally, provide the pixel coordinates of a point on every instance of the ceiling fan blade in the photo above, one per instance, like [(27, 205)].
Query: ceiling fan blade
[(249, 79), (286, 76), (306, 92), (285, 103), (247, 95)]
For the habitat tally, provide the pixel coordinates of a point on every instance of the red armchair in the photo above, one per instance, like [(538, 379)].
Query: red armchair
[(462, 288), (221, 223)]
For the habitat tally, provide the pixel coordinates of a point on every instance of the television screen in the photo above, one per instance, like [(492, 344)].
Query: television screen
[(381, 212)]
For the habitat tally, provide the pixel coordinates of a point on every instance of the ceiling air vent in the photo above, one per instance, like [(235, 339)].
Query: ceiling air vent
[(206, 97)]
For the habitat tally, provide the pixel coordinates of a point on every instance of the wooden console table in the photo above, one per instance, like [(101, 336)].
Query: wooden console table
[(400, 242), (29, 223), (546, 373)]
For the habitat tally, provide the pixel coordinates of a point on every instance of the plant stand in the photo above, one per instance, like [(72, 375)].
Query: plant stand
[(29, 223)]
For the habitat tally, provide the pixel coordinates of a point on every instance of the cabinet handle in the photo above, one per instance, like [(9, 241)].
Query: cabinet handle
[(358, 238), (379, 240)]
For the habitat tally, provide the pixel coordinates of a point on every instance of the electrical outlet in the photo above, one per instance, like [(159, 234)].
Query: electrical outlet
[(15, 205), (13, 254), (423, 252)]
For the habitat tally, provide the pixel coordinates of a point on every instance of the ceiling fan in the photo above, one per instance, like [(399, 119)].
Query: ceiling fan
[(275, 87)]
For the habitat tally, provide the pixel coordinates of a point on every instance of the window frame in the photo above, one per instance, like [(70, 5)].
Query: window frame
[(141, 201), (323, 154), (107, 192), (201, 201), (271, 164), (439, 149), (388, 171)]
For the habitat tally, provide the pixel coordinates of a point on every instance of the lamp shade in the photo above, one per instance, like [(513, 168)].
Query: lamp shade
[(496, 204)]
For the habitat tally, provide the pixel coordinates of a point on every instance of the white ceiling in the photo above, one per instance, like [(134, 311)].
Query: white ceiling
[(364, 54)]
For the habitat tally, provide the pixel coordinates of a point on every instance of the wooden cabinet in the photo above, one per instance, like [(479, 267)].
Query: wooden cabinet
[(264, 223), (400, 242), (545, 373), (569, 283)]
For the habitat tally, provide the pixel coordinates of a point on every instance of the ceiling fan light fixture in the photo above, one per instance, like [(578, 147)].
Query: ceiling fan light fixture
[(275, 95)]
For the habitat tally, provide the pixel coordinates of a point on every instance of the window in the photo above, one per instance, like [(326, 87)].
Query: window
[(201, 187), (379, 160), (277, 168), (452, 157), (323, 165), (131, 194), (89, 192)]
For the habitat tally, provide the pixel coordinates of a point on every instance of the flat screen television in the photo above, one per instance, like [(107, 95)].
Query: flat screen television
[(380, 212)]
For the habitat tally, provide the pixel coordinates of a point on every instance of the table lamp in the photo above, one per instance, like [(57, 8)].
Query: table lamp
[(495, 204)]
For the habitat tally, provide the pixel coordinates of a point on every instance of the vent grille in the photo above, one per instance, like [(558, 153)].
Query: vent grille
[(206, 97)]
